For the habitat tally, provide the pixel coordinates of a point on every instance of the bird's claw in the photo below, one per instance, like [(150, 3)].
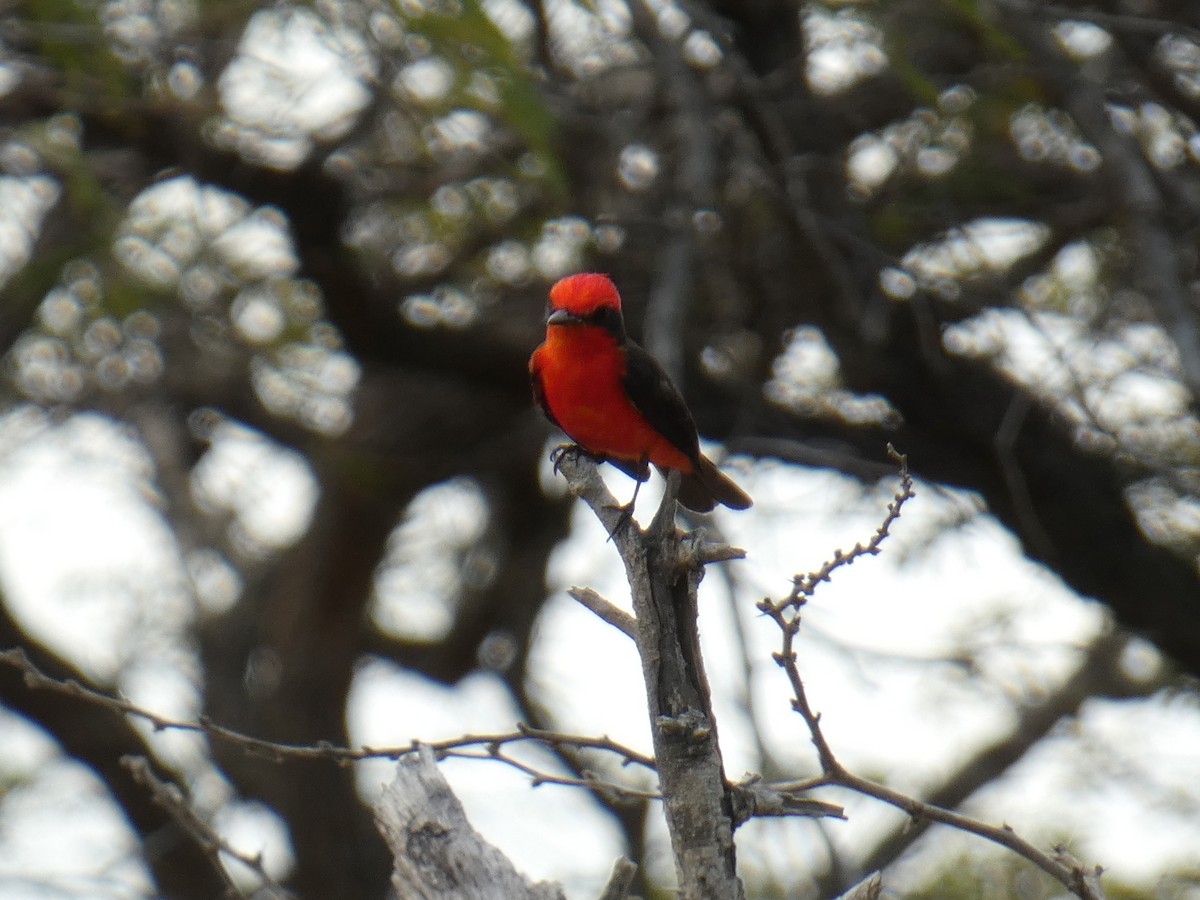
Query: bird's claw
[(625, 517), (560, 452)]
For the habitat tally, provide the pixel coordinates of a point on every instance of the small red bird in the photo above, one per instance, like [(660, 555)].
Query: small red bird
[(614, 400)]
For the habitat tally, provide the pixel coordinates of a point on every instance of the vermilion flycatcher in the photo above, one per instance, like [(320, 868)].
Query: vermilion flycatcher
[(614, 400)]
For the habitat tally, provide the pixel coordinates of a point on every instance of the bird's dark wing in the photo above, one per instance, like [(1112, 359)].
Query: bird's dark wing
[(650, 389)]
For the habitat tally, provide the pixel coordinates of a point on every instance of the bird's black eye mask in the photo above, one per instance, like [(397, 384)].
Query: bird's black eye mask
[(605, 317), (609, 319)]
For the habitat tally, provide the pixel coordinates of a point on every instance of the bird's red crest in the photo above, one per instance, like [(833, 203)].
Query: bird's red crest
[(583, 294)]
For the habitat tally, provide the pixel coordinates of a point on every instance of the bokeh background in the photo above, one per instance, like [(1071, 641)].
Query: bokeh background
[(269, 278)]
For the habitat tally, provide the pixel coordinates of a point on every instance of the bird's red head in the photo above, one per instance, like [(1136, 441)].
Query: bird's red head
[(584, 295)]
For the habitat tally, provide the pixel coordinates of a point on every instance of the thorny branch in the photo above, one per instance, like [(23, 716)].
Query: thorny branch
[(1080, 880)]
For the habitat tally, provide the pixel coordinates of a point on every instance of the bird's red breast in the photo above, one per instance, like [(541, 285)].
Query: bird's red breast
[(581, 371)]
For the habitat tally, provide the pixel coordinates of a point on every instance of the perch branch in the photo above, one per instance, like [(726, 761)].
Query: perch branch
[(697, 800)]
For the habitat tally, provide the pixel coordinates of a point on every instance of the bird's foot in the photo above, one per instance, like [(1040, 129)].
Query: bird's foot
[(574, 451), (626, 511), (559, 453), (625, 517)]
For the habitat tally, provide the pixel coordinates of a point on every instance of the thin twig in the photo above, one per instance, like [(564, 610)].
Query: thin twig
[(467, 746), (606, 610), (39, 680), (1078, 879), (803, 586), (589, 781)]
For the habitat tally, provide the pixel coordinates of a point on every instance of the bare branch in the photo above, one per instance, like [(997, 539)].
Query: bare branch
[(607, 611), (620, 881), (1099, 674), (757, 798), (697, 800), (279, 752), (1078, 879), (870, 889)]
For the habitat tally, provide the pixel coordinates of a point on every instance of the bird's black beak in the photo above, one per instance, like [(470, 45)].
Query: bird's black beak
[(562, 317)]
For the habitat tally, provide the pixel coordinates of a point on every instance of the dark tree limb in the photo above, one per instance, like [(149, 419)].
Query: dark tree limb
[(169, 797)]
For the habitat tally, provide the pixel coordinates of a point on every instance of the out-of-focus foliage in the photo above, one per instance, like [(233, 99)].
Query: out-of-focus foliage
[(1005, 878)]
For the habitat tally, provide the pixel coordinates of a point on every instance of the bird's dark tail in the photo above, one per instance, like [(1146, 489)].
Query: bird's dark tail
[(707, 486)]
